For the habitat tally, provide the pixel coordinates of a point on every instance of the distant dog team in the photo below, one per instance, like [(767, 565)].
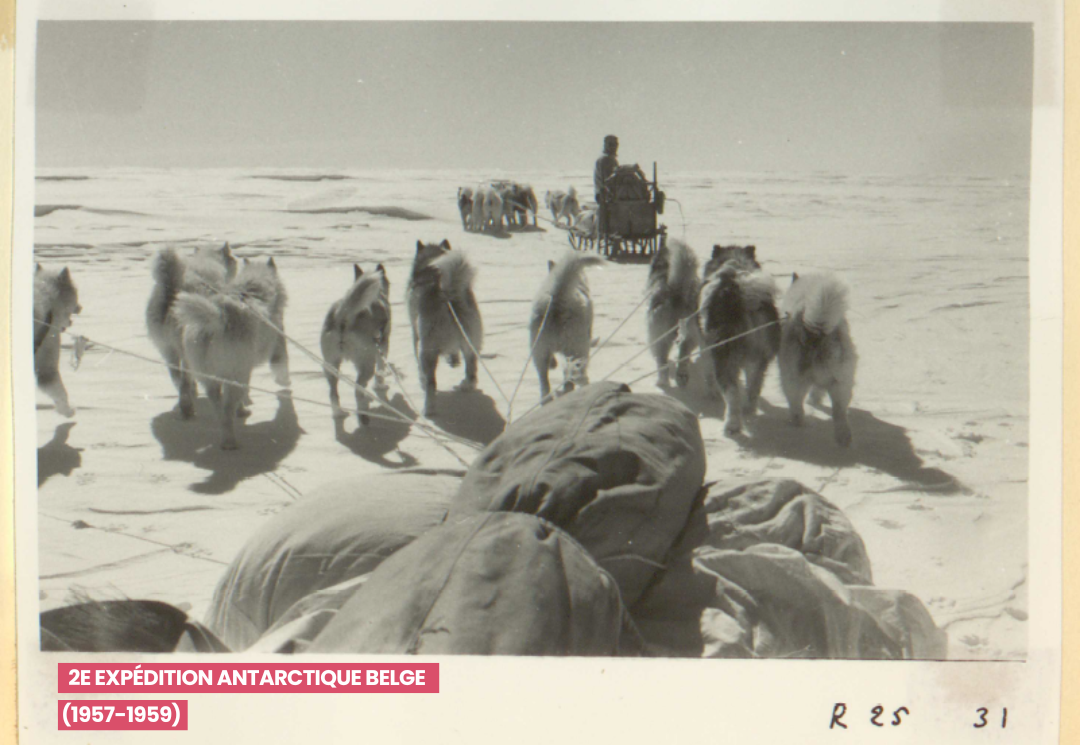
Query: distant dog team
[(485, 207)]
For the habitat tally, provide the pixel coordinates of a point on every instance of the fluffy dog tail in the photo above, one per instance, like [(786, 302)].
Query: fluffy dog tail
[(675, 267), (199, 316), (565, 276), (202, 318), (682, 265), (455, 273), (820, 299), (168, 272), (366, 291), (758, 288)]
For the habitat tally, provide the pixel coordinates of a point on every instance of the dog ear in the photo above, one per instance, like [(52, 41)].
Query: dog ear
[(717, 251), (357, 271), (750, 251), (381, 269), (419, 247), (794, 277), (551, 265), (65, 276), (445, 244), (270, 263)]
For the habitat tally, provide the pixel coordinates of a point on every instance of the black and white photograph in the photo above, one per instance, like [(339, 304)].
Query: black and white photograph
[(695, 339)]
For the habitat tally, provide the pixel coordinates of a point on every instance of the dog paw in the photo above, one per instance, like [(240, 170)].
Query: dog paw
[(466, 386), (66, 411), (339, 413), (732, 428)]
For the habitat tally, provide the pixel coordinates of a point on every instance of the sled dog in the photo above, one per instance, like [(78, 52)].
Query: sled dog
[(225, 335), (738, 303), (563, 204), (439, 297), (561, 321), (56, 300), (673, 287), (205, 273), (357, 329), (465, 206), (816, 351)]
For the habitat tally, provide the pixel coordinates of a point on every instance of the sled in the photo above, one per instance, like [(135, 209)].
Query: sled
[(623, 228)]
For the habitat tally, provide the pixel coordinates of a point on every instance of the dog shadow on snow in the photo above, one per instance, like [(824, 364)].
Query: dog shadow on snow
[(381, 436), (56, 457), (501, 233), (526, 229), (877, 444), (471, 415), (198, 441)]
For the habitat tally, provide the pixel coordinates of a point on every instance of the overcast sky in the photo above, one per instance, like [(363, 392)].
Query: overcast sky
[(856, 98)]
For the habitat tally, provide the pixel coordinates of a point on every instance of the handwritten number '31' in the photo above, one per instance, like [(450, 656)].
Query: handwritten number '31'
[(982, 712)]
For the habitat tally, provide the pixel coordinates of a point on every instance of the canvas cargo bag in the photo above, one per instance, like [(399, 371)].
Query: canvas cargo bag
[(619, 471), (495, 584), (342, 530)]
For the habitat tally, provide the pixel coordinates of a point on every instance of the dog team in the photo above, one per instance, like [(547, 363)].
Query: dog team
[(494, 205), (485, 207), (214, 319), (732, 313)]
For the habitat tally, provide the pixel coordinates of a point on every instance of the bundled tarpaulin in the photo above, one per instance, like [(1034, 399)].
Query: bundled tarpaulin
[(784, 512), (338, 533), (790, 578), (619, 471), (493, 584)]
